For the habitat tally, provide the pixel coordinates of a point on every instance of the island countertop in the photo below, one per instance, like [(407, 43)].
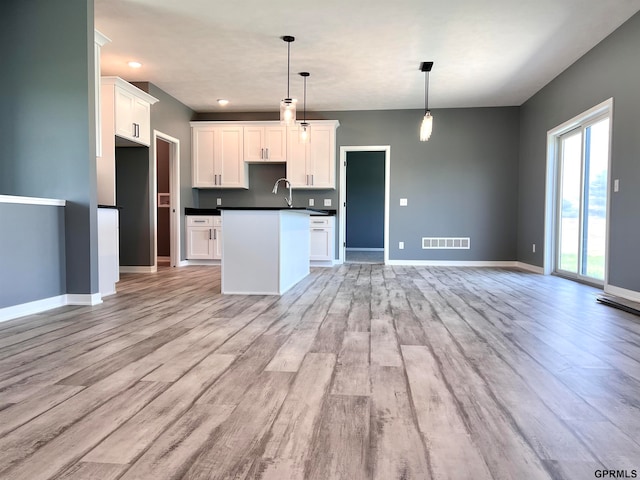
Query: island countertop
[(310, 211)]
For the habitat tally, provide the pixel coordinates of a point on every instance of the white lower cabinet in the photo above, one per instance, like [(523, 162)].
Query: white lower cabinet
[(204, 237), (322, 246)]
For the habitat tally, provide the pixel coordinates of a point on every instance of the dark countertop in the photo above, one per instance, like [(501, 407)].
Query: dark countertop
[(216, 211), (113, 207), (289, 209)]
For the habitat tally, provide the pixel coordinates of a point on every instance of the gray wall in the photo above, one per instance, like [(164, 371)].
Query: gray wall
[(47, 123), (462, 182), (365, 200), (34, 269), (611, 69)]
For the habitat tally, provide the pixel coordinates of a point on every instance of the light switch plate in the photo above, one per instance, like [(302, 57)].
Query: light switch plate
[(311, 202), (327, 202), (403, 202), (218, 201), (401, 245)]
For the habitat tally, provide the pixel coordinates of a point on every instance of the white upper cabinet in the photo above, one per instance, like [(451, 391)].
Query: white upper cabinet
[(131, 109), (312, 165), (265, 143), (217, 159)]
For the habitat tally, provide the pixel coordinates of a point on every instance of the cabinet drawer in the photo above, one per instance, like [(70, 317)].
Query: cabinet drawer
[(200, 220), (319, 222)]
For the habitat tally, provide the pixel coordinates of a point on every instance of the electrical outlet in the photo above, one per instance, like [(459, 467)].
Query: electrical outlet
[(218, 201), (312, 202), (534, 248), (616, 185), (403, 202), (327, 202), (401, 245)]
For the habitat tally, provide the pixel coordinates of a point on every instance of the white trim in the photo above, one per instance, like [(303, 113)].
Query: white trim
[(89, 299), (31, 308), (343, 192), (174, 213), (530, 268), (348, 249), (550, 207), (453, 263), (622, 292), (322, 263), (138, 269), (211, 263), (52, 202)]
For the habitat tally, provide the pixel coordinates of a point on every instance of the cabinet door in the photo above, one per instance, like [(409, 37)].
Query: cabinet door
[(200, 243), (321, 162), (296, 159), (124, 106), (275, 143), (254, 143), (217, 243), (204, 143), (229, 160), (320, 246), (142, 120)]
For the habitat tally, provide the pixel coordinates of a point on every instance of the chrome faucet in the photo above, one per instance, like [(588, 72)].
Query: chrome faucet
[(287, 183)]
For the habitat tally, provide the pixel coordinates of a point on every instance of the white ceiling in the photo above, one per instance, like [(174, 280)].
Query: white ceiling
[(362, 54)]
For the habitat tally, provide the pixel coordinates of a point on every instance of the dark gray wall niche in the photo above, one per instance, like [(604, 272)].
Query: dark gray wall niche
[(132, 195), (365, 200)]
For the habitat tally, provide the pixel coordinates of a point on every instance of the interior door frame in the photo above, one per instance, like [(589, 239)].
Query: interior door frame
[(343, 195), (174, 187), (552, 179)]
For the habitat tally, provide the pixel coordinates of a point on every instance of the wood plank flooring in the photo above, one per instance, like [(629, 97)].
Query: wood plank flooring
[(358, 372)]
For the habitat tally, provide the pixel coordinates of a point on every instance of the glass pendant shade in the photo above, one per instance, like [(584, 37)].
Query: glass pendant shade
[(288, 111), (426, 127), (305, 132)]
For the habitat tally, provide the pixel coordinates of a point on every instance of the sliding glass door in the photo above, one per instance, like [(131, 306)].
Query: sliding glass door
[(582, 201)]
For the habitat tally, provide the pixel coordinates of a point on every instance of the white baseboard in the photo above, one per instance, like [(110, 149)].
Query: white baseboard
[(138, 269), (84, 299), (39, 306), (453, 263), (31, 308), (212, 263), (622, 292), (356, 249), (322, 263), (530, 268)]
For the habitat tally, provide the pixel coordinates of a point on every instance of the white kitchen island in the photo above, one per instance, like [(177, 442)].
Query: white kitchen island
[(265, 251)]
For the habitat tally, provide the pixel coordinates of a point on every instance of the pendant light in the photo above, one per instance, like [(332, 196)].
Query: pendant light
[(288, 105), (427, 122), (305, 132)]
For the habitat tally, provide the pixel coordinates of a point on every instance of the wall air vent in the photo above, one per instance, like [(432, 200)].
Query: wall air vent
[(446, 243)]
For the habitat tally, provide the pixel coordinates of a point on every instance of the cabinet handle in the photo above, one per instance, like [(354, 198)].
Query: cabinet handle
[(267, 155), (220, 179), (312, 182), (198, 221), (215, 234), (209, 234), (319, 229)]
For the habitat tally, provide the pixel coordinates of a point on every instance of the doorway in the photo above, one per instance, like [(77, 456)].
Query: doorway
[(166, 204), (580, 167), (364, 204)]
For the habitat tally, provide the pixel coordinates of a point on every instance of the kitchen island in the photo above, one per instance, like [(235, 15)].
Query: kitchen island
[(265, 250)]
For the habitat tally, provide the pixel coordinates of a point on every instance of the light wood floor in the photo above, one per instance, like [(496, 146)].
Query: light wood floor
[(359, 372)]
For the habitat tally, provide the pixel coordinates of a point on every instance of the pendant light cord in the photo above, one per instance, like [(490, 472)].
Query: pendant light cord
[(288, 66), (426, 93), (304, 116)]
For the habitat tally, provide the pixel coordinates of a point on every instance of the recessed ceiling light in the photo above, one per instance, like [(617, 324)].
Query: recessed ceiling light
[(222, 102), (133, 64)]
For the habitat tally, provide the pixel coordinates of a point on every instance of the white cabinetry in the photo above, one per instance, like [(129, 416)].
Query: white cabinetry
[(322, 239), (204, 237), (131, 109), (217, 156), (265, 143), (312, 165)]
